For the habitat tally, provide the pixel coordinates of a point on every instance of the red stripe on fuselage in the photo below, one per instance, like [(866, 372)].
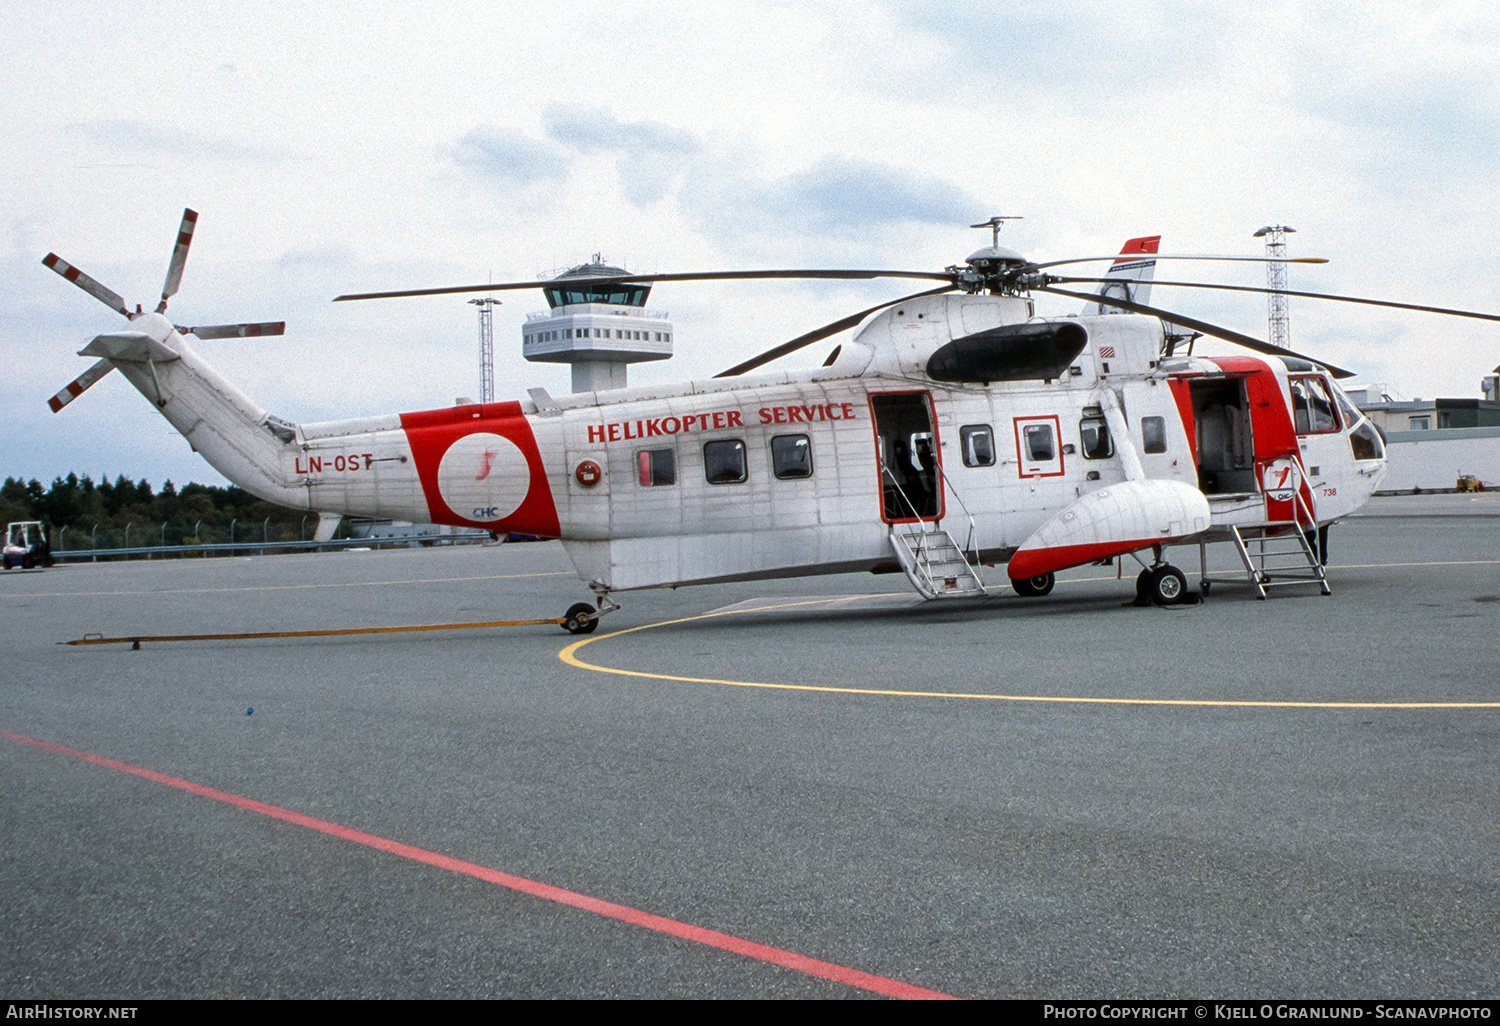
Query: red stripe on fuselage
[(431, 432), (1182, 392)]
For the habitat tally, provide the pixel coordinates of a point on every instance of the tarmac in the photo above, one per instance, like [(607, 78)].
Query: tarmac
[(816, 788)]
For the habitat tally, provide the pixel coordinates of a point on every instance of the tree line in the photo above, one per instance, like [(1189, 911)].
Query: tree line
[(80, 504)]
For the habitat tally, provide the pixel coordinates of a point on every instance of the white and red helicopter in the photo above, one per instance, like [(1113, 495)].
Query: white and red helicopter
[(955, 428)]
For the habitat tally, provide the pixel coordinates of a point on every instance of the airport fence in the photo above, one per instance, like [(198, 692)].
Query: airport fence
[(183, 540)]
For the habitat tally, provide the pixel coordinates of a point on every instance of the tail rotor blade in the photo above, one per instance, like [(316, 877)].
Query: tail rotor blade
[(80, 384), (210, 331), (83, 281), (179, 257)]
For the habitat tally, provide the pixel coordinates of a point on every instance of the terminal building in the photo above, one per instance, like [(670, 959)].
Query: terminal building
[(600, 328), (1431, 444)]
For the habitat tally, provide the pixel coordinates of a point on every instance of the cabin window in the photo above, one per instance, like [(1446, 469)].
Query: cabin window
[(791, 456), (724, 461), (656, 467), (978, 443), (1154, 434), (1312, 407), (1038, 452), (1094, 432), (1040, 446)]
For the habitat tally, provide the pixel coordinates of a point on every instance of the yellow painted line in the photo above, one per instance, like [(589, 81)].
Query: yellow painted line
[(1380, 566), (569, 655), (281, 587)]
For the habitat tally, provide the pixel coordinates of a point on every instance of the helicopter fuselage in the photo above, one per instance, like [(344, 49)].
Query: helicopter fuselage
[(787, 474)]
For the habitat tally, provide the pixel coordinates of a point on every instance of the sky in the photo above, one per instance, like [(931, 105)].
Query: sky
[(348, 147)]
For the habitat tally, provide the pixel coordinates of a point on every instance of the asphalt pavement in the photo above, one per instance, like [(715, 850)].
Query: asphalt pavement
[(1060, 797)]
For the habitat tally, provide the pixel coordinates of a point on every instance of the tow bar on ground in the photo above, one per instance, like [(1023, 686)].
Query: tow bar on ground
[(578, 621)]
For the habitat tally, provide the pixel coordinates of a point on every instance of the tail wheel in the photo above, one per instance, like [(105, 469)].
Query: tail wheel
[(581, 619), (1033, 587)]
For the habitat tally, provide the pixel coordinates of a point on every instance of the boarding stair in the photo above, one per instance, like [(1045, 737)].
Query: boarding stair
[(933, 561), (1275, 553)]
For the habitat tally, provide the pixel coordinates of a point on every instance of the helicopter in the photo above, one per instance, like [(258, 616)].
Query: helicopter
[(956, 428)]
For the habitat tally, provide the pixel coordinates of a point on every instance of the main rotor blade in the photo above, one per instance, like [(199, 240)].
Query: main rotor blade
[(208, 331), (179, 257), (1200, 326), (821, 333), (1132, 257), (80, 385), (83, 281), (1311, 295), (628, 279)]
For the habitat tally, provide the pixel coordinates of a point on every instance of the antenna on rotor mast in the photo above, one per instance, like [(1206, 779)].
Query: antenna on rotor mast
[(994, 224), (1280, 330), (486, 347)]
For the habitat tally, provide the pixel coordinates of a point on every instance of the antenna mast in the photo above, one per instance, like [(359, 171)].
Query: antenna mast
[(1280, 330), (486, 348)]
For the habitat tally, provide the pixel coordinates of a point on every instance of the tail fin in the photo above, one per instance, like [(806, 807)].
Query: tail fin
[(1130, 276), (238, 438), (242, 441)]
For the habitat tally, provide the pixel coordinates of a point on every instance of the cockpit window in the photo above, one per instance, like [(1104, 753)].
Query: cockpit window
[(1312, 407), (1351, 415), (1366, 443)]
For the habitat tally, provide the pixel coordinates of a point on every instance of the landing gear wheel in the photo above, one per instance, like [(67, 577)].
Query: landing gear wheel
[(1168, 586), (1204, 588), (1034, 587), (581, 619)]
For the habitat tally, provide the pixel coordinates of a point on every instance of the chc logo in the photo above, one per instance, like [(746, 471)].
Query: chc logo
[(486, 473)]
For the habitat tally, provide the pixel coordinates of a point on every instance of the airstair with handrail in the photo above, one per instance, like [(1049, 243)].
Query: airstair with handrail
[(929, 556), (1275, 553)]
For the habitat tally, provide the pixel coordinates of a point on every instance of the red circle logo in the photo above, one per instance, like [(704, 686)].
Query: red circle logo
[(588, 473)]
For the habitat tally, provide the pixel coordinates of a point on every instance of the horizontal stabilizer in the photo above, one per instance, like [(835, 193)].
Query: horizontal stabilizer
[(1122, 518), (131, 346), (80, 385)]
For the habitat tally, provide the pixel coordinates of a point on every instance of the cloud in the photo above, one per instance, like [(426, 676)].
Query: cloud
[(848, 195), (1418, 131), (650, 154), (509, 157), (139, 136), (590, 128)]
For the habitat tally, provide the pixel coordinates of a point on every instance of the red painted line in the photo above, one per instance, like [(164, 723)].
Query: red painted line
[(711, 938)]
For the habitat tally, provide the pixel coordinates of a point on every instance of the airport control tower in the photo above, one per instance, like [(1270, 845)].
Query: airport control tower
[(600, 328)]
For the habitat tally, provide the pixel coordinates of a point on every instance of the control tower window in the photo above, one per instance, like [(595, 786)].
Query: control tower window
[(614, 294)]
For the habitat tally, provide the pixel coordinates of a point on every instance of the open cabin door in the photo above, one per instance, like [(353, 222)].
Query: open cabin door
[(1224, 442), (1245, 443), (906, 456)]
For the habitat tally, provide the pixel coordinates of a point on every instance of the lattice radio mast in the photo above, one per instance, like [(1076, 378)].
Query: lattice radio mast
[(1280, 330), (486, 348)]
